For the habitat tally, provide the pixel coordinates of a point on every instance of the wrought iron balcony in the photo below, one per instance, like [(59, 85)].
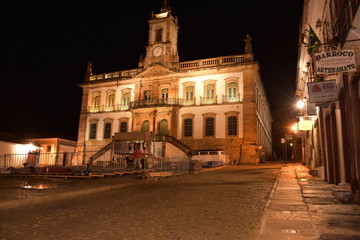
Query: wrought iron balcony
[(232, 99), (115, 108), (208, 101), (162, 102)]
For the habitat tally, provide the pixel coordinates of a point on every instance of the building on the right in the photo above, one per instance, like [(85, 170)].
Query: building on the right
[(328, 85)]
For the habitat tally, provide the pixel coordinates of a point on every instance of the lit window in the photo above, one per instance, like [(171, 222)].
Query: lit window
[(125, 99), (232, 90), (210, 89), (111, 100), (189, 93), (96, 103), (164, 95), (147, 95)]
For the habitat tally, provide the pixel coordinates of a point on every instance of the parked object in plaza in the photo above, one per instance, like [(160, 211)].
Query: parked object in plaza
[(210, 158)]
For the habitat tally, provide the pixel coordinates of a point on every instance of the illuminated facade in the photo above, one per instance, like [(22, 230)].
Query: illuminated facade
[(216, 103), (332, 146)]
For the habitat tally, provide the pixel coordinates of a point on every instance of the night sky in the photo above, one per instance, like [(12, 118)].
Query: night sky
[(45, 50)]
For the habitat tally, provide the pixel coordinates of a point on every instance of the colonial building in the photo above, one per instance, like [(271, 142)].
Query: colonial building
[(331, 146), (216, 103)]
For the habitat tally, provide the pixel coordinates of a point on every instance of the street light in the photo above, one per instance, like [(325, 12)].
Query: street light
[(300, 104)]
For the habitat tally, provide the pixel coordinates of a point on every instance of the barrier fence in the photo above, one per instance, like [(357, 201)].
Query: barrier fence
[(81, 163)]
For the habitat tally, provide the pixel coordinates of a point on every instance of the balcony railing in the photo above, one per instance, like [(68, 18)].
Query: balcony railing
[(208, 101), (165, 102), (211, 62), (162, 102), (232, 99), (115, 108)]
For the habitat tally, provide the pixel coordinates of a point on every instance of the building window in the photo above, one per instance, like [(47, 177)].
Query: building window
[(232, 126), (210, 90), (145, 127), (147, 95), (107, 130), (188, 127), (48, 148), (164, 95), (189, 93), (209, 126), (93, 127), (232, 90), (110, 102), (123, 126), (125, 101), (96, 103), (158, 35)]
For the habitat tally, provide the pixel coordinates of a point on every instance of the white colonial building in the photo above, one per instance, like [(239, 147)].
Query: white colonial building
[(216, 103)]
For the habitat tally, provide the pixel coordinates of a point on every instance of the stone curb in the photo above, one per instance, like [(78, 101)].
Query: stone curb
[(61, 196), (261, 223)]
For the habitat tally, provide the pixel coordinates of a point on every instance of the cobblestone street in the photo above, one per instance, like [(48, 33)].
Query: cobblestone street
[(221, 204)]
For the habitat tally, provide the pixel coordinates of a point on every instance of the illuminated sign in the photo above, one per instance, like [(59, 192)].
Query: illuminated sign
[(305, 125), (335, 62), (324, 91)]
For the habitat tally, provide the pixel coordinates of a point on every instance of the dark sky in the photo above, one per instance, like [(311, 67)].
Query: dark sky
[(45, 50)]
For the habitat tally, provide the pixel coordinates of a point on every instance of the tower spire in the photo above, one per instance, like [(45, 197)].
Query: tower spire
[(165, 6)]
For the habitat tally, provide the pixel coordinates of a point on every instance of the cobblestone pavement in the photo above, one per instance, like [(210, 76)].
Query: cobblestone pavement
[(222, 204)]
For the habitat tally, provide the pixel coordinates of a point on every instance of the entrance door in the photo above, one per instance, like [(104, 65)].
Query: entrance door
[(163, 127)]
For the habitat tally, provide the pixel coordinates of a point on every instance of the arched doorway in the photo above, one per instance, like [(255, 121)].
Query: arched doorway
[(145, 127), (163, 127)]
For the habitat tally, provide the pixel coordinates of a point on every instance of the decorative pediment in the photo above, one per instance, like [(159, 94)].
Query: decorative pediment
[(155, 70)]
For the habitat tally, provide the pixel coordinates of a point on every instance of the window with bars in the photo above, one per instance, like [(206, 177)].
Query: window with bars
[(188, 127), (93, 130), (123, 127), (209, 126), (107, 130), (232, 126)]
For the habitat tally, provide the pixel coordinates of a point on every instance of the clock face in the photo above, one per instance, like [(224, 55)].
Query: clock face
[(157, 51)]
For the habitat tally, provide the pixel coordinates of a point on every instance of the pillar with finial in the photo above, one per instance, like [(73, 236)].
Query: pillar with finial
[(88, 71)]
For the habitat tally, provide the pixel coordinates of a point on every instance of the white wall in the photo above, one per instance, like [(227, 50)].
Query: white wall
[(15, 148), (198, 125)]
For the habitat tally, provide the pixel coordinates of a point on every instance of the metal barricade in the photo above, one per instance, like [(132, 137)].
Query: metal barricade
[(165, 167)]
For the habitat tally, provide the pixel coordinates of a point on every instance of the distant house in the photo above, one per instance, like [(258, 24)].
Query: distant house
[(10, 144), (14, 152), (54, 145)]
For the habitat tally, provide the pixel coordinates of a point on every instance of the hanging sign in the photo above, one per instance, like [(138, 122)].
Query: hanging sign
[(335, 62), (324, 91)]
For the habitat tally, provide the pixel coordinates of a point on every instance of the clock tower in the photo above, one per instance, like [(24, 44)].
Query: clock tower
[(163, 39)]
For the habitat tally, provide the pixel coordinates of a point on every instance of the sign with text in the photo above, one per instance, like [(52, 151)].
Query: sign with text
[(335, 62), (324, 91), (305, 125)]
